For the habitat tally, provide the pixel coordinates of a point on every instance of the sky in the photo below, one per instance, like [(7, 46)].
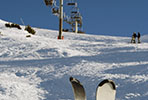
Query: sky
[(100, 17)]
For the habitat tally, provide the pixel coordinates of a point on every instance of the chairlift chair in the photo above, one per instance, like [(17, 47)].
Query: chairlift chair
[(55, 10), (74, 12), (76, 17), (49, 2), (72, 3)]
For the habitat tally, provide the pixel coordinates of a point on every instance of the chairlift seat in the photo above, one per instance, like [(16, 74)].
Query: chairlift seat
[(71, 4), (77, 17), (55, 10), (48, 2), (74, 12)]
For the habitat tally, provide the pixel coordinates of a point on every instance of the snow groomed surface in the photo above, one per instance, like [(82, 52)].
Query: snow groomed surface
[(39, 67)]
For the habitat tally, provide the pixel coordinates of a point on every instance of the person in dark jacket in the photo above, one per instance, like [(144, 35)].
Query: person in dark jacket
[(134, 37), (138, 36)]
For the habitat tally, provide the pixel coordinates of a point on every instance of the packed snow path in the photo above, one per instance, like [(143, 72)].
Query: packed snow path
[(39, 67)]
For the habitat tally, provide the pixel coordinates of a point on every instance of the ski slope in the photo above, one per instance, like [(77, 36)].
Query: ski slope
[(39, 67)]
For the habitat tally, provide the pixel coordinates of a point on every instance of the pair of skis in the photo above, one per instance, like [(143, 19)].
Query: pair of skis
[(106, 90)]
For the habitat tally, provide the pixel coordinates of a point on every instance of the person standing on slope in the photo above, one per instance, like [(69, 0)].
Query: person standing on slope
[(138, 36), (134, 37)]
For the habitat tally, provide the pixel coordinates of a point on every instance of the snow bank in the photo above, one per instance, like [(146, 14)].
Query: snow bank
[(13, 87)]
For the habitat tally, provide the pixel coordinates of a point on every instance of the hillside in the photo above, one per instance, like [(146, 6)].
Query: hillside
[(39, 67)]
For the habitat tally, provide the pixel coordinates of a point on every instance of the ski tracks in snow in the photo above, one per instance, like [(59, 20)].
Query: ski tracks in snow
[(39, 67)]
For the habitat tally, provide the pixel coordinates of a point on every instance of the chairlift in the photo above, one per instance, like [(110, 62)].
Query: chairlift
[(55, 10), (49, 2)]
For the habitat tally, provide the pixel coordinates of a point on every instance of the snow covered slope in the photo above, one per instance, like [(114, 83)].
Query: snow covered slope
[(39, 67)]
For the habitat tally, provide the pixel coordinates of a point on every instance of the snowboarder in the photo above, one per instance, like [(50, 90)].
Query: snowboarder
[(138, 37), (134, 37)]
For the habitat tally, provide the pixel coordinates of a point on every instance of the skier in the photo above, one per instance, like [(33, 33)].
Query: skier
[(134, 37), (138, 36)]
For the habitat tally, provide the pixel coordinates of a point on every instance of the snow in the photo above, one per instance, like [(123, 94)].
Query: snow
[(39, 67)]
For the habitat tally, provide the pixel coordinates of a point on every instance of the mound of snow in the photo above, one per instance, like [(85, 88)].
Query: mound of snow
[(13, 87)]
